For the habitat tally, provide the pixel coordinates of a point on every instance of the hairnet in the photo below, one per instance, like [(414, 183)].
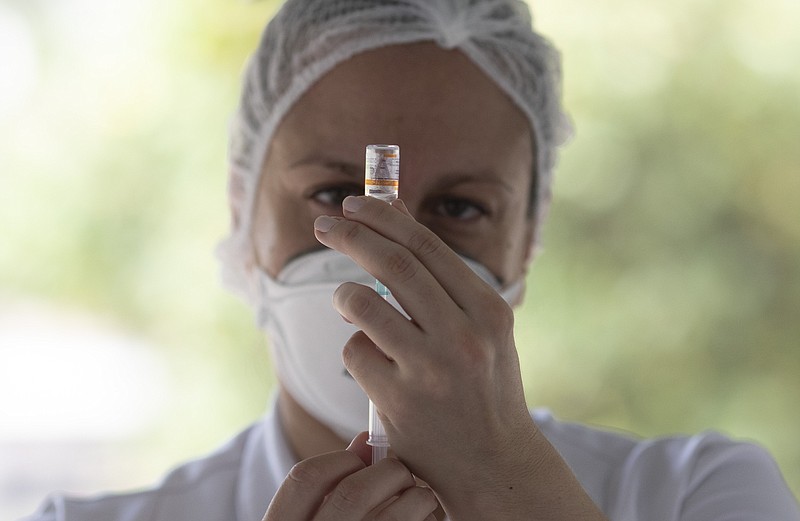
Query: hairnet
[(307, 38)]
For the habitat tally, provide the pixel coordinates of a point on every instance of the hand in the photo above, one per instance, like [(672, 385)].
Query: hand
[(447, 382), (339, 486)]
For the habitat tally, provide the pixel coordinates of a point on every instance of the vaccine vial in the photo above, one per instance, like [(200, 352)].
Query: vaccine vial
[(382, 173), (382, 180)]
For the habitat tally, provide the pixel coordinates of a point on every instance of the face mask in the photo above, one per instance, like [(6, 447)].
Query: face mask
[(307, 334)]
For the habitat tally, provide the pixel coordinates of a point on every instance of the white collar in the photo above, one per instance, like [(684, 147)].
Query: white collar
[(266, 460)]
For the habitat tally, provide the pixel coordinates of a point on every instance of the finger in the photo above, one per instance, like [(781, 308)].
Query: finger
[(415, 503), (360, 448), (414, 287), (307, 484), (360, 493), (382, 323), (397, 224), (369, 366)]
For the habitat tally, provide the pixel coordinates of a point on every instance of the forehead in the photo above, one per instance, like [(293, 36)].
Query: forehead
[(428, 100)]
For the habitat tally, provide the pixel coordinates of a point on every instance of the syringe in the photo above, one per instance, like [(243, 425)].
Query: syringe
[(381, 180)]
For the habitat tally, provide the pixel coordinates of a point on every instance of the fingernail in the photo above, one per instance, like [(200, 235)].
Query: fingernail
[(352, 204), (323, 223)]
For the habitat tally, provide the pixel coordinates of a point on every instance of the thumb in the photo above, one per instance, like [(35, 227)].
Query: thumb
[(360, 448)]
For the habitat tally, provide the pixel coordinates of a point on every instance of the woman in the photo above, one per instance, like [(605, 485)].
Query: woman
[(470, 94)]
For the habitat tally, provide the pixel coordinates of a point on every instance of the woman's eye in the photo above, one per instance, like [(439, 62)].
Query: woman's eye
[(334, 195), (460, 209)]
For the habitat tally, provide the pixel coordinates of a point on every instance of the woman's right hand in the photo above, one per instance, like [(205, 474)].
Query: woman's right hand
[(340, 486)]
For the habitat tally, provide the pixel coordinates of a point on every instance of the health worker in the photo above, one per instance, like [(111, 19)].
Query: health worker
[(471, 94)]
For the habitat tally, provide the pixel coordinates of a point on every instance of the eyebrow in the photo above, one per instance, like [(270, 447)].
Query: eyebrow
[(447, 180), (351, 169), (478, 176)]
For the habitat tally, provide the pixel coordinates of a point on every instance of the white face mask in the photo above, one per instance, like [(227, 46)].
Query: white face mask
[(307, 334)]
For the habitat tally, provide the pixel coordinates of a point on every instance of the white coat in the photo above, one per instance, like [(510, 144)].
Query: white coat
[(700, 478)]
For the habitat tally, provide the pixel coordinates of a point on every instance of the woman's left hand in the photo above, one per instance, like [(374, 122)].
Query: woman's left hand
[(447, 382)]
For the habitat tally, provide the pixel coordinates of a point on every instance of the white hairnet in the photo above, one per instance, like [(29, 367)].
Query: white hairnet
[(307, 38)]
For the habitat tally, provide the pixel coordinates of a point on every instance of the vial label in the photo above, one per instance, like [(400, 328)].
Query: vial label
[(382, 176)]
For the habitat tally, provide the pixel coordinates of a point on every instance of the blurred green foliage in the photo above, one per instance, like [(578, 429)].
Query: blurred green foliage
[(668, 295)]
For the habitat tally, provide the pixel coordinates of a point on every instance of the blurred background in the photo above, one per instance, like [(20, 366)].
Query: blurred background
[(667, 298)]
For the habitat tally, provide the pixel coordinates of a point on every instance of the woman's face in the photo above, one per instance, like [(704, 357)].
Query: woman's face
[(465, 148)]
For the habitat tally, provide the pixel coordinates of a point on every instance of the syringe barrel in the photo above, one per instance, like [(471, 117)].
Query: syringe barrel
[(377, 433), (377, 436)]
